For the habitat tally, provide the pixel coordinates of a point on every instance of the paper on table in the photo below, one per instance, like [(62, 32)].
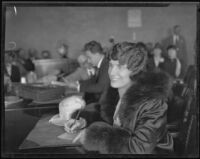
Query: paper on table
[(46, 134)]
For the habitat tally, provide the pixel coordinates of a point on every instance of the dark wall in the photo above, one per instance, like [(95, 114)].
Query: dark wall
[(42, 27)]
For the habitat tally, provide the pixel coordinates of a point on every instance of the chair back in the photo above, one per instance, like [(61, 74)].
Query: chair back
[(188, 132)]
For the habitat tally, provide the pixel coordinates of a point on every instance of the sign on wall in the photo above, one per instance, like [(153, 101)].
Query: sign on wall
[(134, 18)]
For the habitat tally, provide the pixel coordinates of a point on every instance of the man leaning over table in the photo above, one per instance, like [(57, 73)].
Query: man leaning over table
[(95, 86)]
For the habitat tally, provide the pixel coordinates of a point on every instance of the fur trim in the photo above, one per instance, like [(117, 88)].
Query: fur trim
[(149, 85), (101, 137)]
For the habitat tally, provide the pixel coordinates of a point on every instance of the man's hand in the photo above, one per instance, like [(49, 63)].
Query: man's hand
[(70, 84)]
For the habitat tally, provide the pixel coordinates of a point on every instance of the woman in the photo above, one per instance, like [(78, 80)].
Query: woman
[(137, 123)]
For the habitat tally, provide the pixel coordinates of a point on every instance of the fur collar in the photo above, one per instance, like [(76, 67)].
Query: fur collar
[(148, 85)]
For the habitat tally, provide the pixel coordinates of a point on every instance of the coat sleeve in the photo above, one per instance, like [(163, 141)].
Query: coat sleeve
[(140, 138)]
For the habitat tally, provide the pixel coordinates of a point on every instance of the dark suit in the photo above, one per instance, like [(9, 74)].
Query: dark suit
[(152, 66), (15, 74), (94, 87), (181, 50)]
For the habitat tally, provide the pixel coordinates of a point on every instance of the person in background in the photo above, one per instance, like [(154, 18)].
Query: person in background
[(149, 46), (26, 61), (45, 54), (95, 86), (156, 61), (29, 66), (33, 54), (137, 123), (84, 72), (172, 64), (178, 41), (107, 50), (62, 50), (11, 70)]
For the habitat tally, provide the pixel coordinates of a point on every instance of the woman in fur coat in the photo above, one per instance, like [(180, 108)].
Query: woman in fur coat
[(136, 123)]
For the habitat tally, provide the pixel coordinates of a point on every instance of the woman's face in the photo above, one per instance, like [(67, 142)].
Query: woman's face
[(119, 75)]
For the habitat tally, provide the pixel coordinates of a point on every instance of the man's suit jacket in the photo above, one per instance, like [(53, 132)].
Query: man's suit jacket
[(98, 84), (180, 44), (15, 74), (181, 53), (152, 66)]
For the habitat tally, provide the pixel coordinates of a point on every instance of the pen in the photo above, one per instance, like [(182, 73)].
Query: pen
[(76, 118)]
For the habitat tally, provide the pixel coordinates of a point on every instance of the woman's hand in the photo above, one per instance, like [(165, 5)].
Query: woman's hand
[(72, 125)]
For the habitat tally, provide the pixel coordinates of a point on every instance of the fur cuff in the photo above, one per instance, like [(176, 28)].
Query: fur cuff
[(105, 138)]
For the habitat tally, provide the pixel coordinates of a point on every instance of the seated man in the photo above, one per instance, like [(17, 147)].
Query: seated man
[(95, 86), (11, 70), (172, 64), (84, 72), (156, 61)]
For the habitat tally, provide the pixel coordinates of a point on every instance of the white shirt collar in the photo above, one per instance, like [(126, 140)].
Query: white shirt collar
[(100, 61)]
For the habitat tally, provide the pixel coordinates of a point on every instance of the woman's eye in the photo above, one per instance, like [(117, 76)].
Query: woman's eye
[(119, 66)]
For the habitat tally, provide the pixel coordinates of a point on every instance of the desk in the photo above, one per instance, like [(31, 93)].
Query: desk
[(20, 120)]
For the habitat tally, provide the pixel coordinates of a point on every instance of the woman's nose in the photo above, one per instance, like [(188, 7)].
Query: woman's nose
[(113, 70)]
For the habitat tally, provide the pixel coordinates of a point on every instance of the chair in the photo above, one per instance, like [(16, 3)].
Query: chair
[(178, 103), (185, 140)]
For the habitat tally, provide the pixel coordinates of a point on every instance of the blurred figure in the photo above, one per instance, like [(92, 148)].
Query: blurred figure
[(26, 60), (156, 61), (149, 47), (109, 49), (33, 54), (11, 70), (172, 64), (178, 41), (45, 54), (84, 72), (62, 50), (29, 66)]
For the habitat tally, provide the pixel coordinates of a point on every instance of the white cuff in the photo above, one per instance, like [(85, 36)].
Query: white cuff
[(78, 86)]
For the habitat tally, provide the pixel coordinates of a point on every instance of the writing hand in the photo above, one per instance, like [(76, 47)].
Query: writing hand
[(72, 125)]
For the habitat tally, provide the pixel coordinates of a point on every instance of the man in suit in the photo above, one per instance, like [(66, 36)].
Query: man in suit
[(99, 83), (11, 70), (178, 41)]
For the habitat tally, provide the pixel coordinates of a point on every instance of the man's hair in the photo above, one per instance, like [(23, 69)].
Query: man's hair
[(132, 54), (176, 26), (94, 47), (171, 47)]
